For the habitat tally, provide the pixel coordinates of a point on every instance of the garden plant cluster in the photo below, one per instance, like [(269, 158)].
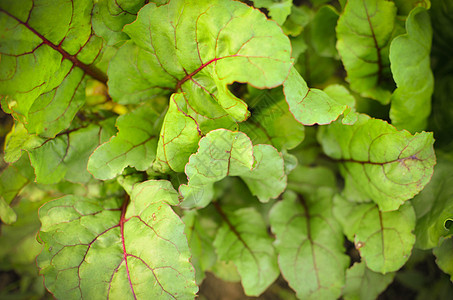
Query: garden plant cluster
[(300, 148)]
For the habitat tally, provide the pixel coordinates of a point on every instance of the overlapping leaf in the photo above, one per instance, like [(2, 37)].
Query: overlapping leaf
[(198, 48), (134, 145), (110, 16), (411, 69), (364, 32), (384, 239), (200, 244), (309, 245), (383, 164), (270, 115), (243, 239), (226, 153), (104, 249), (364, 284), (279, 10), (434, 206), (310, 106), (443, 256), (48, 51)]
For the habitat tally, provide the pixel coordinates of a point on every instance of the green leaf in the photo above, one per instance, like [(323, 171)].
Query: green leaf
[(270, 115), (48, 50), (14, 177), (279, 10), (411, 68), (384, 239), (66, 156), (7, 214), (110, 16), (17, 140), (322, 31), (200, 244), (102, 249), (226, 153), (364, 284), (243, 239), (364, 32), (443, 256), (134, 145), (178, 138), (434, 205), (208, 56), (310, 106), (307, 179), (383, 164), (309, 245)]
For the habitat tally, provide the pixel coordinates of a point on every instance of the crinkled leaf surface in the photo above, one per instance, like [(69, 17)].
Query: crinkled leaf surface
[(383, 164), (134, 145), (243, 239), (364, 284), (384, 239), (47, 49), (434, 205), (270, 115), (214, 44), (364, 32), (411, 69), (226, 153), (110, 16), (309, 245), (66, 156), (279, 10), (443, 256), (310, 106), (100, 249), (178, 138)]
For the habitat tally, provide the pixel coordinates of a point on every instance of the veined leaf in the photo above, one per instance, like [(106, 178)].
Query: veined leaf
[(434, 206), (384, 239), (411, 68), (270, 114), (243, 239), (200, 244), (310, 106), (104, 249), (134, 145), (66, 155), (178, 138), (214, 44), (226, 153), (48, 51), (364, 284), (110, 16), (383, 164), (364, 32), (309, 245)]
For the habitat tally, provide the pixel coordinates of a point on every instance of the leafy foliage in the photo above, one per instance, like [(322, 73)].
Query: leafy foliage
[(161, 140)]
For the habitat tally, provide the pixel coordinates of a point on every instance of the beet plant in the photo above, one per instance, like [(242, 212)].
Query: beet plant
[(269, 143)]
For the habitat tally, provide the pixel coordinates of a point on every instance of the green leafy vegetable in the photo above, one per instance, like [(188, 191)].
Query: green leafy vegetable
[(364, 33), (384, 239), (383, 164), (99, 249), (166, 140), (310, 250)]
